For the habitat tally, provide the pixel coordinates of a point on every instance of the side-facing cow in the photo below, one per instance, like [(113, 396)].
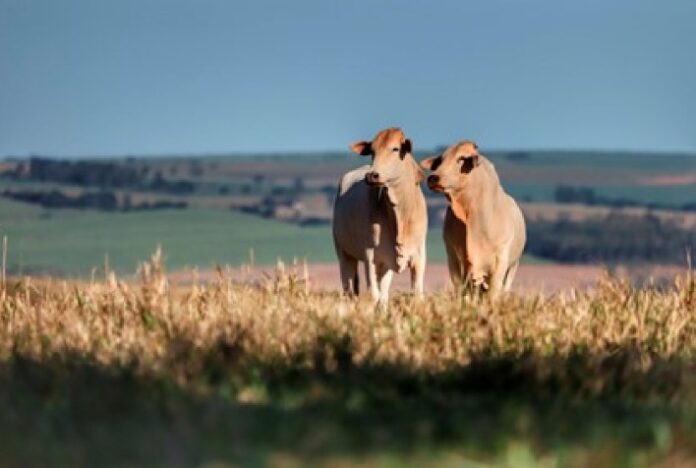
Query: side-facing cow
[(380, 217), (484, 229)]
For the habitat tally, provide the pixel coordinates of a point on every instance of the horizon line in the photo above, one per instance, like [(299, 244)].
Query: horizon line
[(317, 152)]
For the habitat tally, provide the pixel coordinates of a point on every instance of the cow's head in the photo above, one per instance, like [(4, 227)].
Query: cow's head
[(391, 157), (453, 167)]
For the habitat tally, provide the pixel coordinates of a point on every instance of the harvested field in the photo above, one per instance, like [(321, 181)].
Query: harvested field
[(579, 212), (531, 278), (669, 179)]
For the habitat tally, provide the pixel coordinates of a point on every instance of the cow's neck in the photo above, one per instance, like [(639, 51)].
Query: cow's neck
[(476, 204), (401, 199)]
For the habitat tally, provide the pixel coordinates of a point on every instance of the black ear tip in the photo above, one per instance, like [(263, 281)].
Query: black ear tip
[(436, 163)]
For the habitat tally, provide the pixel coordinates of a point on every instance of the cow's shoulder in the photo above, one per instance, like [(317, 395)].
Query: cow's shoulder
[(351, 178)]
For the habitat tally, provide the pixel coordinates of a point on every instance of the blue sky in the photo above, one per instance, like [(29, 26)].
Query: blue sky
[(156, 77)]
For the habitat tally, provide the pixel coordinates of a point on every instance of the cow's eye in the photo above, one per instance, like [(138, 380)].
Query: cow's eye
[(395, 148)]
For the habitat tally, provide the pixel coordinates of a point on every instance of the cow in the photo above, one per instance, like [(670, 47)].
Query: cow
[(484, 230), (380, 217)]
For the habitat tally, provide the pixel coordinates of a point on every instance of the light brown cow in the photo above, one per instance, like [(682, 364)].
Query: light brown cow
[(380, 217), (484, 229)]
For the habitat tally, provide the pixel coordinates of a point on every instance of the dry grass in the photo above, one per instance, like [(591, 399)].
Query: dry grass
[(280, 323), (279, 344)]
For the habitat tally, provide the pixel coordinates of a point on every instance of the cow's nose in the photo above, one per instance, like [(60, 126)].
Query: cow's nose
[(433, 179), (372, 177)]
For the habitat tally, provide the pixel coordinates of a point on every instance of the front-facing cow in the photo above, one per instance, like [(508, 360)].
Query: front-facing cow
[(380, 217)]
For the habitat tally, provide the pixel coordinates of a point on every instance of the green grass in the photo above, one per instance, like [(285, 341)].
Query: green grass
[(71, 242), (82, 415)]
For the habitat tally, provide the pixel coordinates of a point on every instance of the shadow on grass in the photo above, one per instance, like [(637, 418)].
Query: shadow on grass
[(70, 411)]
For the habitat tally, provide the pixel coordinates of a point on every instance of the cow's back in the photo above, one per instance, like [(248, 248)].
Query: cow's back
[(351, 218)]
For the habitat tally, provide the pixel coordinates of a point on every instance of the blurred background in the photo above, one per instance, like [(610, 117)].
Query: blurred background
[(218, 130)]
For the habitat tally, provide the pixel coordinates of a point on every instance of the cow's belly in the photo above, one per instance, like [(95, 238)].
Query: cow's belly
[(351, 228), (385, 255)]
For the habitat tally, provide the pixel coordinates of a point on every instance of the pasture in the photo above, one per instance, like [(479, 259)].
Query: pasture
[(75, 242), (149, 372)]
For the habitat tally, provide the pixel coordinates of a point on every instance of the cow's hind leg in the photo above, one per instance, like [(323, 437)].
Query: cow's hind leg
[(417, 268), (349, 274), (510, 276), (497, 278), (456, 271)]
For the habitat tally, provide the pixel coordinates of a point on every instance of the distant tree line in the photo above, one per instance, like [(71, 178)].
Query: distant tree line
[(98, 174), (587, 196), (103, 200), (614, 238), (518, 156)]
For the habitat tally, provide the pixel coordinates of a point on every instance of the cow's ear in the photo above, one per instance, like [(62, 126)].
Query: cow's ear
[(417, 171), (363, 148), (420, 174), (406, 148), (431, 163)]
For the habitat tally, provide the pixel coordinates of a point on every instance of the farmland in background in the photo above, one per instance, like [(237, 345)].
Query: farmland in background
[(74, 242), (69, 217)]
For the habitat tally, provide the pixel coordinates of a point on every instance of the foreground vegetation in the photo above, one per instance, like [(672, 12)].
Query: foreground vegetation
[(147, 372)]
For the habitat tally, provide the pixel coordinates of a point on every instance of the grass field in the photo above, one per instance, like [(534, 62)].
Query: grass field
[(69, 242), (72, 242), (149, 373)]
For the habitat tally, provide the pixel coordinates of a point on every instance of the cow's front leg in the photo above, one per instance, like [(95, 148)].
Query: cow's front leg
[(476, 279), (418, 273), (371, 275)]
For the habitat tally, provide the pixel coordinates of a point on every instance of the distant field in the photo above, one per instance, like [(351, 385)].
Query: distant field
[(535, 178), (74, 242)]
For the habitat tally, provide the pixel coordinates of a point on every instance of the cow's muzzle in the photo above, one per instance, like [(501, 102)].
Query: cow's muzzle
[(434, 183), (372, 178)]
